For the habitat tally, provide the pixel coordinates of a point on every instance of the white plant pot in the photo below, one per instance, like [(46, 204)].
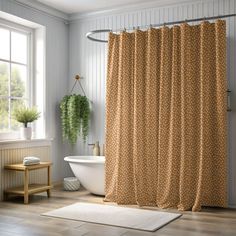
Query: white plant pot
[(26, 133)]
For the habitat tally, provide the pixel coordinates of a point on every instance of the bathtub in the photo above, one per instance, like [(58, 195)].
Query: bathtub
[(90, 172)]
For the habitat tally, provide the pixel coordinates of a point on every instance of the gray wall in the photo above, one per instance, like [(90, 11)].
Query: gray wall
[(89, 59), (57, 57)]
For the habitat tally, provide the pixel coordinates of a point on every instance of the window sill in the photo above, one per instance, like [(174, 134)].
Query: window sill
[(20, 143)]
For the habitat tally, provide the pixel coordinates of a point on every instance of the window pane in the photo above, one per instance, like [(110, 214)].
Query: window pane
[(4, 78), (16, 103), (4, 44), (4, 121), (18, 80), (19, 47)]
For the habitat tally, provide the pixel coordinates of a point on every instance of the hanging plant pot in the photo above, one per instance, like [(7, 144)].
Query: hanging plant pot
[(26, 133), (75, 115)]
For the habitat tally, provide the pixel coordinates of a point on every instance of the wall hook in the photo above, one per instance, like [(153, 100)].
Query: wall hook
[(77, 79)]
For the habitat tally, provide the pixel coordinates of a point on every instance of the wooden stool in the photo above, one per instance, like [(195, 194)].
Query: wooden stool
[(28, 189)]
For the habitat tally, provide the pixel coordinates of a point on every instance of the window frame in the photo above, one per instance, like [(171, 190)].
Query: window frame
[(30, 88)]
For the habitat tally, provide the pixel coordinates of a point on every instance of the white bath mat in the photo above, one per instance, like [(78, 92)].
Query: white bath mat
[(140, 219)]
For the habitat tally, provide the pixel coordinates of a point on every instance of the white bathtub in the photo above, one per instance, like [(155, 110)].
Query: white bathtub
[(90, 172)]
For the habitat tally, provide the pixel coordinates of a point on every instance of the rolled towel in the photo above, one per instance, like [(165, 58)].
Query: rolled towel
[(27, 161)]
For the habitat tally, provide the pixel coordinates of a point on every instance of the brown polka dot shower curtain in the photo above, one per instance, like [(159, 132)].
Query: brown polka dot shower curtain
[(166, 117)]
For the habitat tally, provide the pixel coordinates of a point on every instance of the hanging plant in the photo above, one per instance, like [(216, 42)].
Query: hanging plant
[(84, 116), (75, 115), (64, 117)]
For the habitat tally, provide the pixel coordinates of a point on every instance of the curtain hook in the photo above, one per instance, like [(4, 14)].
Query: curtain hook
[(186, 21)]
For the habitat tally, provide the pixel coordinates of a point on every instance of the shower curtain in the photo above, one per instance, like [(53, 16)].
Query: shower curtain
[(166, 117)]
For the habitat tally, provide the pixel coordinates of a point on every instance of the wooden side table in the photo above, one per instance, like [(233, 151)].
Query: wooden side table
[(28, 189)]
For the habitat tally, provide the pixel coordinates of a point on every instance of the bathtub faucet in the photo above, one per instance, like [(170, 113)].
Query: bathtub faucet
[(96, 148)]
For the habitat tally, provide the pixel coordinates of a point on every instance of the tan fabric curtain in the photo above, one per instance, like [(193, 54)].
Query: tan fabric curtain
[(166, 117)]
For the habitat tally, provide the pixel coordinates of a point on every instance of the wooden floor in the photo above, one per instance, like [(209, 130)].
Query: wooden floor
[(25, 220)]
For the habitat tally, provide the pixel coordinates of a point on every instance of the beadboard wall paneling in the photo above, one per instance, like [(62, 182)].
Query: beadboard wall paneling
[(89, 60), (10, 179), (57, 58)]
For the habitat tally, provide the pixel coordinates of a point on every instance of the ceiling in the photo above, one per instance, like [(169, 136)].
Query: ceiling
[(82, 6)]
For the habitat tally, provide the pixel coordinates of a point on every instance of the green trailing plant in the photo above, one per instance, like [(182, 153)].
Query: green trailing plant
[(73, 118), (26, 115), (75, 115), (84, 116), (64, 117)]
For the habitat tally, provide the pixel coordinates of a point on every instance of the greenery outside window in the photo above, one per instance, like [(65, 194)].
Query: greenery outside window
[(15, 75)]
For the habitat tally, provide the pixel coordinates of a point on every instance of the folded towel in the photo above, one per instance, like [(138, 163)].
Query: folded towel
[(32, 158), (31, 161)]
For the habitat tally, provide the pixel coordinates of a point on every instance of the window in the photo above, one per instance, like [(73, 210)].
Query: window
[(15, 74), (22, 73)]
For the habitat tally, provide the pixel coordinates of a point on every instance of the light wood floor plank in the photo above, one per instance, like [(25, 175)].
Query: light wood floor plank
[(18, 219)]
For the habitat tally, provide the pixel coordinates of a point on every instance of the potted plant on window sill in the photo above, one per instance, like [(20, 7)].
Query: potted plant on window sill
[(26, 115)]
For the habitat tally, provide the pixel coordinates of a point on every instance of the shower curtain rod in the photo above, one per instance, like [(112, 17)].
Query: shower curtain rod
[(93, 32)]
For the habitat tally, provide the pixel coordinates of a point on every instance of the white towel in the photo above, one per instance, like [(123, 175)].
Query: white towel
[(31, 161)]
